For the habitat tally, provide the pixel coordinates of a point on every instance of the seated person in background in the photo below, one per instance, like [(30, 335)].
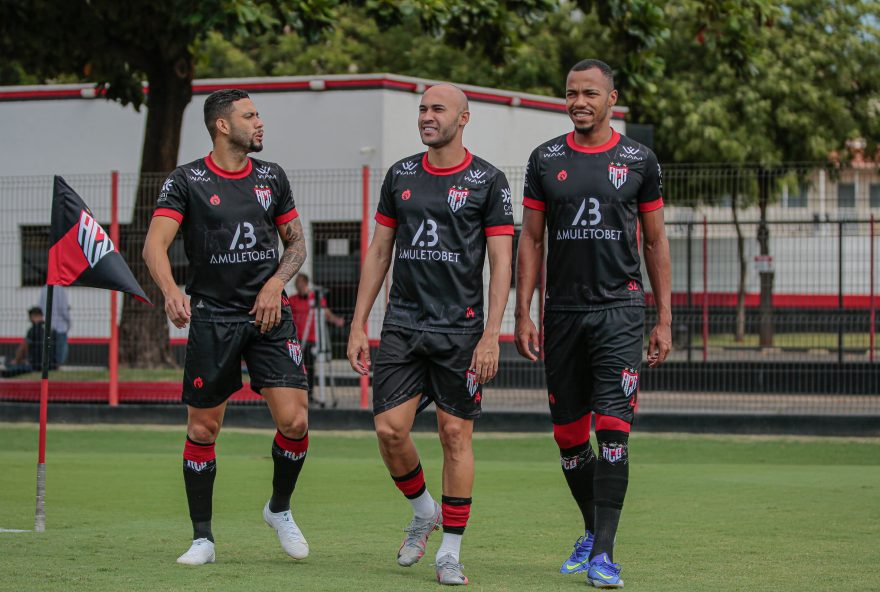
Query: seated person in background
[(29, 355)]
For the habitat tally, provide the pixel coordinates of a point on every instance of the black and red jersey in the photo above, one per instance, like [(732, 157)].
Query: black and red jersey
[(591, 198), (441, 219), (228, 220)]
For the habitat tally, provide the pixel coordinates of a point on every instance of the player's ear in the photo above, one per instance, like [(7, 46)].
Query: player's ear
[(464, 117), (222, 126), (612, 97)]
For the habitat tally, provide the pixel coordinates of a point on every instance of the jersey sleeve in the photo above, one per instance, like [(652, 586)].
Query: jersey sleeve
[(173, 197), (285, 211), (651, 191), (386, 213), (498, 211), (533, 191)]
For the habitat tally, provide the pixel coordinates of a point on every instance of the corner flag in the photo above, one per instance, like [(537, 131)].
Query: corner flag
[(81, 254)]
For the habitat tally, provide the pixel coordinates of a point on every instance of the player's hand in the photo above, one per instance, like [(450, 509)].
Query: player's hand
[(177, 308), (659, 345), (359, 351), (484, 360), (267, 307), (526, 339)]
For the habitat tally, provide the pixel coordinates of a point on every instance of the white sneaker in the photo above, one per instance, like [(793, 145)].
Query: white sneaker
[(200, 553), (291, 537)]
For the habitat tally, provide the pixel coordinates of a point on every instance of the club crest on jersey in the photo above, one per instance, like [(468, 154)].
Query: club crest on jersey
[(295, 351), (94, 242), (617, 174), (472, 385), (264, 195), (629, 381), (457, 197)]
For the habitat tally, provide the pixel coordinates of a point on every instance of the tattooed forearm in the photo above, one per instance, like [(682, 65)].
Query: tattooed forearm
[(294, 250)]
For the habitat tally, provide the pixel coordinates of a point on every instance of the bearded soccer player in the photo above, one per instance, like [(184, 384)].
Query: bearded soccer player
[(231, 210), (439, 212), (593, 189)]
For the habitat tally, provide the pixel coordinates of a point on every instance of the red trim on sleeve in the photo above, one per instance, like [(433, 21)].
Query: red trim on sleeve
[(615, 138), (501, 230), (650, 206), (534, 204), (386, 220), (169, 213), (468, 158), (285, 218), (241, 174)]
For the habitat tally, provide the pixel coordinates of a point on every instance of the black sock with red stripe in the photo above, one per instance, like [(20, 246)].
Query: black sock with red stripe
[(579, 467), (288, 455), (609, 488), (412, 485), (199, 471), (456, 512)]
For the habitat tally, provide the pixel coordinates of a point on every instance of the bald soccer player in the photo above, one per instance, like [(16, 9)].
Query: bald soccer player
[(439, 212)]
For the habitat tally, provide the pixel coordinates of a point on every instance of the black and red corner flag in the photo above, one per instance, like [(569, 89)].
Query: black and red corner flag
[(81, 253)]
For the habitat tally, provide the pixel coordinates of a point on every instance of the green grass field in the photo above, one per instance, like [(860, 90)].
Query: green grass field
[(702, 513)]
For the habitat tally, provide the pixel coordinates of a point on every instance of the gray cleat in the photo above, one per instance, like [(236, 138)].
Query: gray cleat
[(449, 571), (413, 546)]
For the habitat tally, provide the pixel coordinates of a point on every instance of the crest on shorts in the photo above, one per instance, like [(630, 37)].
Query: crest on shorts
[(295, 351), (629, 381), (473, 386), (264, 195), (457, 197), (617, 174)]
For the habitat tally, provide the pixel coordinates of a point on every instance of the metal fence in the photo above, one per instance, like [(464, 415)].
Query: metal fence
[(785, 324)]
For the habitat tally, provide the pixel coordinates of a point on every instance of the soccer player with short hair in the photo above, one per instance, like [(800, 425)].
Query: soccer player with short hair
[(593, 189), (231, 210), (439, 212)]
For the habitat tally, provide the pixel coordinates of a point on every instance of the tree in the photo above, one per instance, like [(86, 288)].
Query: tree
[(804, 86)]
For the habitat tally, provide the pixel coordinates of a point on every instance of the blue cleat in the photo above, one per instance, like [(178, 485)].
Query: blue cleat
[(580, 556), (604, 574)]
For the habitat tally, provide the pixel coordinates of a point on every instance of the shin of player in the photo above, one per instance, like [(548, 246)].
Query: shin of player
[(232, 209), (439, 213), (593, 190)]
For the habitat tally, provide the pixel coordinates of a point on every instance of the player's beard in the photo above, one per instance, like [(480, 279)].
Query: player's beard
[(245, 141), (443, 137), (598, 117)]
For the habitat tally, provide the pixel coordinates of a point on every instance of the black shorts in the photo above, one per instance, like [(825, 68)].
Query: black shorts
[(436, 366), (213, 360), (592, 361)]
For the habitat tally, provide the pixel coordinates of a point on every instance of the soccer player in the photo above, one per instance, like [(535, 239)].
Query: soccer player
[(439, 212), (594, 189), (231, 209)]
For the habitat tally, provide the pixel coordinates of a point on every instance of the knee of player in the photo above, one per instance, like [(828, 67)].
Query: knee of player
[(294, 427), (573, 434), (203, 433), (455, 435), (390, 436)]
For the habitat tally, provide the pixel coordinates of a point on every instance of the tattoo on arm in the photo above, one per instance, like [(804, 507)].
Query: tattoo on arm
[(294, 250)]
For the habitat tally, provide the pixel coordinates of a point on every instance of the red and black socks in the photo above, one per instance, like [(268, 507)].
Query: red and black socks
[(288, 455), (578, 465), (199, 470), (412, 485), (610, 481)]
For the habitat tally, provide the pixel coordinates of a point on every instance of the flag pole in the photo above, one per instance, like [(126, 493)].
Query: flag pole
[(40, 513)]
